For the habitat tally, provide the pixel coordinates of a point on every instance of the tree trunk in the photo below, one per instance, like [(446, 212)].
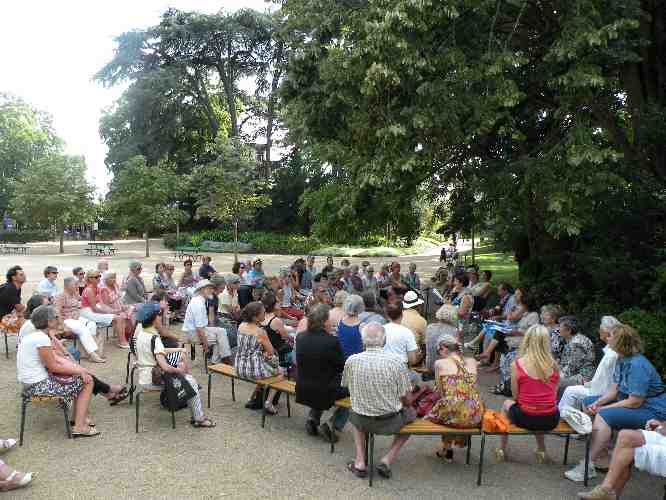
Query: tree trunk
[(145, 235), (228, 83), (62, 238), (235, 240), (272, 99), (473, 247)]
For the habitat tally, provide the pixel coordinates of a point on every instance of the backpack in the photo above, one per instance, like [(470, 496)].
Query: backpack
[(176, 390)]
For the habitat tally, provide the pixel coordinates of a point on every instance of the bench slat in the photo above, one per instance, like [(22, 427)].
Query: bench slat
[(427, 427), (285, 386), (229, 371)]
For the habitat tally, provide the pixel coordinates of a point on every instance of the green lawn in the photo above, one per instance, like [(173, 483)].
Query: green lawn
[(502, 265)]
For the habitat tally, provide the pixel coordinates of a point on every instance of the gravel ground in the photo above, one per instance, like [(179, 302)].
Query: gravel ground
[(238, 459)]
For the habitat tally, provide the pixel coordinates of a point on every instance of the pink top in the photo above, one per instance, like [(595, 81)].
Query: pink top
[(536, 397), (84, 296)]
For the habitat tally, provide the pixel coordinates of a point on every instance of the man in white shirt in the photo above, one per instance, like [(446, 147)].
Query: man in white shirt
[(603, 376), (47, 286), (196, 325), (399, 339)]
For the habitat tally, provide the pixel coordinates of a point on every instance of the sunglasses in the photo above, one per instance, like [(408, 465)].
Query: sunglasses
[(97, 276)]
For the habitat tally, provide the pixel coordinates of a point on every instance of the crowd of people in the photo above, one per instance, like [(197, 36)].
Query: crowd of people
[(343, 331)]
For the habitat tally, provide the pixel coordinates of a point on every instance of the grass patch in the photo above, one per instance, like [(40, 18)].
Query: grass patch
[(503, 265)]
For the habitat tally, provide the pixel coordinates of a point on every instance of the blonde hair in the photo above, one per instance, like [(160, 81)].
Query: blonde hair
[(90, 273), (536, 349), (339, 298), (625, 340), (447, 314)]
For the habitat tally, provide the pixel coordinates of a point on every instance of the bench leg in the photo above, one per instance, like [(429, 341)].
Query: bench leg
[(24, 407), (127, 368), (371, 458), (288, 407), (233, 390), (68, 427), (193, 352), (173, 419), (210, 381), (264, 394), (587, 459), (132, 387), (469, 449), (483, 449), (566, 449), (138, 403)]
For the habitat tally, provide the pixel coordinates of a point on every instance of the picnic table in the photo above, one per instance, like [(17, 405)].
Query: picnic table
[(14, 248), (191, 253), (98, 248)]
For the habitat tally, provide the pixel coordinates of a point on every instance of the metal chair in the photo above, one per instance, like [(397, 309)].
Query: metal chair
[(25, 400)]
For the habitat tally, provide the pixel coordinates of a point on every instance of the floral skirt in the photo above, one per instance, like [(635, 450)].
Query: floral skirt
[(65, 387)]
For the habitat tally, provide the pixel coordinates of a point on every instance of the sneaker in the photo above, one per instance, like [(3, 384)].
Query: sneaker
[(311, 428), (577, 474), (598, 493)]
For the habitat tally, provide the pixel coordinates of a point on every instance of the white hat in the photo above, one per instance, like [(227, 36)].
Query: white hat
[(202, 284), (411, 300)]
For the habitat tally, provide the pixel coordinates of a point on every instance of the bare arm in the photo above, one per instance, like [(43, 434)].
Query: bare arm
[(52, 365), (266, 344), (413, 357)]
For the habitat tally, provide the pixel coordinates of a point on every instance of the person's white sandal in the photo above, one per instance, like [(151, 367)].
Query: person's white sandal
[(7, 444), (11, 484)]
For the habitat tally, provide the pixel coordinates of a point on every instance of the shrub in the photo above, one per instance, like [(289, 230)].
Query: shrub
[(25, 236), (652, 329)]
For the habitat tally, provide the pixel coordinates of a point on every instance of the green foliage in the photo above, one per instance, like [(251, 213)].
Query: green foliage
[(28, 236), (233, 189), (53, 192), (652, 329), (142, 197), (26, 135)]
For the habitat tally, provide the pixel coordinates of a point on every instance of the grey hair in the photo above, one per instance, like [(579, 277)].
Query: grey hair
[(231, 278), (317, 317), (570, 322), (373, 335), (369, 299), (135, 264), (69, 280), (50, 269), (40, 317), (353, 305), (353, 268), (448, 340), (608, 322)]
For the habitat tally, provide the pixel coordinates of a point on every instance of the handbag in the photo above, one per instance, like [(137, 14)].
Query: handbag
[(177, 391), (579, 421), (494, 421), (11, 323)]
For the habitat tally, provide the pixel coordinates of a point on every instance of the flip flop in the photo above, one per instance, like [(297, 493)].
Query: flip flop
[(90, 433), (90, 424), (351, 467), (11, 484), (206, 423), (384, 470)]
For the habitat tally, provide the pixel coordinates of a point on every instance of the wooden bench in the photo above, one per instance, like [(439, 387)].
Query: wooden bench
[(25, 400), (14, 248), (230, 372), (562, 429)]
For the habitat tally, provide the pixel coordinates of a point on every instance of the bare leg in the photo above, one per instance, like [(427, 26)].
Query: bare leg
[(398, 442), (119, 329), (541, 442), (601, 435), (623, 458), (81, 408), (504, 438), (359, 443), (489, 350)]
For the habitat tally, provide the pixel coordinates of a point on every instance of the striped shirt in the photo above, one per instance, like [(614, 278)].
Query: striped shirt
[(377, 381)]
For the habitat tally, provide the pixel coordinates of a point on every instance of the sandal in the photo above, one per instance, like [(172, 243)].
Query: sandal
[(384, 470), (91, 433), (447, 456), (205, 423), (120, 396), (7, 444), (11, 483), (351, 467), (89, 424)]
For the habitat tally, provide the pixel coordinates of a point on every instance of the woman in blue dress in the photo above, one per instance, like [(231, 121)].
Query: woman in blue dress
[(637, 395)]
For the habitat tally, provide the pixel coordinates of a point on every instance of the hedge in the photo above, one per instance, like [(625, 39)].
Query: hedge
[(25, 236)]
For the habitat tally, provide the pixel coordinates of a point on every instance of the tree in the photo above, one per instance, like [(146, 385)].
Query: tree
[(52, 193), (556, 109), (143, 197), (26, 135), (233, 189)]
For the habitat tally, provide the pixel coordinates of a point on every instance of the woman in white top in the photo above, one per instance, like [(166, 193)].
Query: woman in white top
[(603, 377), (42, 373)]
